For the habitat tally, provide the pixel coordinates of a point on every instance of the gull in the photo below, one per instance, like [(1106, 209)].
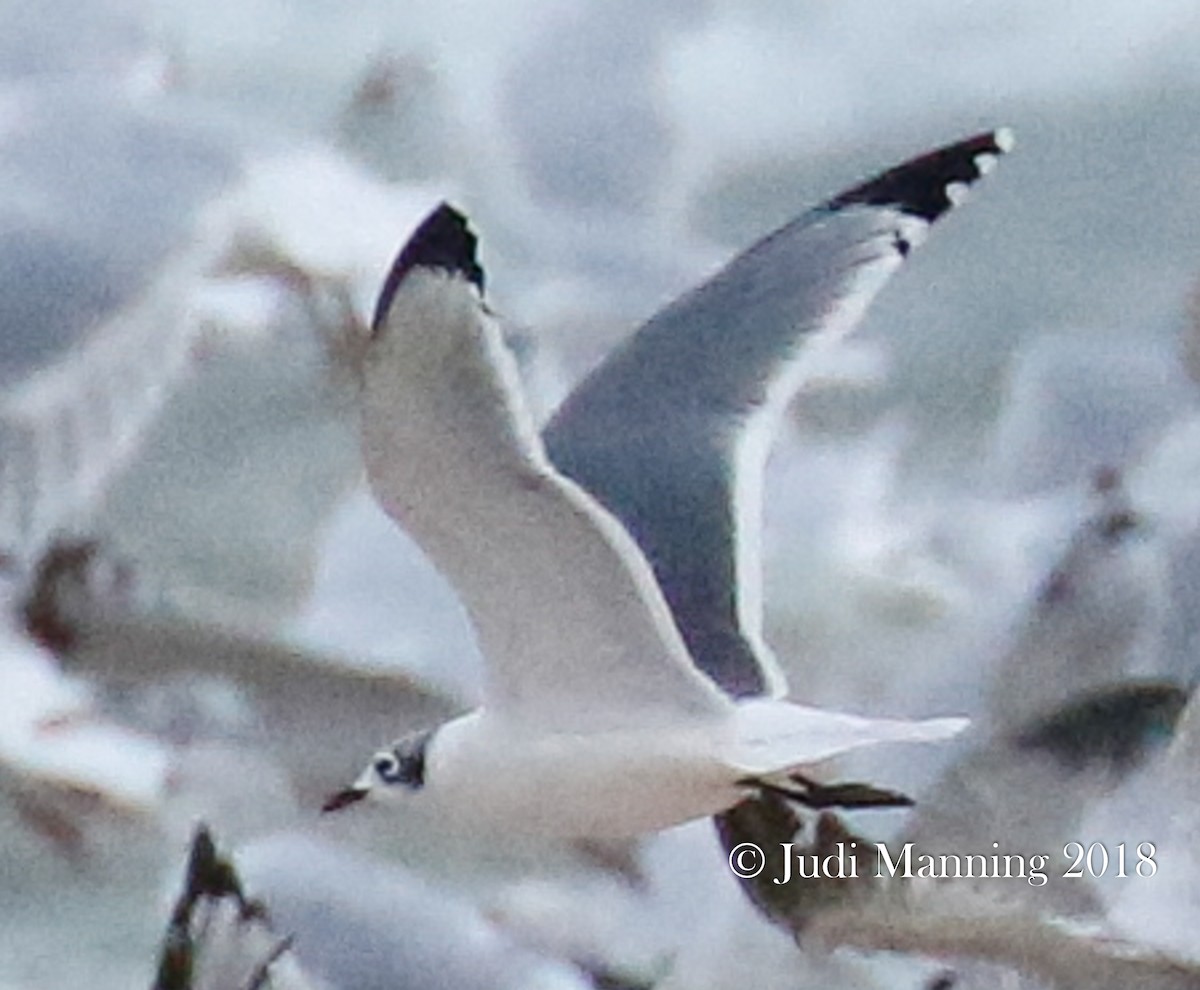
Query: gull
[(1097, 616), (1030, 789), (1161, 912), (101, 267), (597, 720)]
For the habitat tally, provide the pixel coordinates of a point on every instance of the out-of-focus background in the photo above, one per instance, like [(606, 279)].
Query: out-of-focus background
[(198, 203)]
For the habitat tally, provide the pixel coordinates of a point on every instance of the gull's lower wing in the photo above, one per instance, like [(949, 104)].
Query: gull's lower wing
[(671, 432), (568, 614)]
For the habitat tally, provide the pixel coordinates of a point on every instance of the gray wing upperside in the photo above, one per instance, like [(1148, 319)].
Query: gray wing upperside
[(671, 432)]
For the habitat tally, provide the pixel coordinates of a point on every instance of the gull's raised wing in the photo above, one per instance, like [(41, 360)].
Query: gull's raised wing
[(671, 432), (570, 620)]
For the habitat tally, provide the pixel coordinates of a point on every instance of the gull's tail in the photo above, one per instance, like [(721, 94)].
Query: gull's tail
[(775, 736)]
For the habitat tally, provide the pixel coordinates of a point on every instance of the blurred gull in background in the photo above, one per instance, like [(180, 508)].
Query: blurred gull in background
[(1097, 617), (143, 242), (1041, 768)]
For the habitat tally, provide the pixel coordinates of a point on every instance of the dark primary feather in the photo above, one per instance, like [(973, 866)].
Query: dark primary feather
[(443, 241)]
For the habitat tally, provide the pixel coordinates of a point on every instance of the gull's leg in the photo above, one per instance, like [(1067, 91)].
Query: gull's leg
[(817, 796)]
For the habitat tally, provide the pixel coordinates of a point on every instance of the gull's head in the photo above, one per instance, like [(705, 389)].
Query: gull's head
[(393, 772)]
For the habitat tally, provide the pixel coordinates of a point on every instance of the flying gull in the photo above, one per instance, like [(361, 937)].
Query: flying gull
[(592, 695)]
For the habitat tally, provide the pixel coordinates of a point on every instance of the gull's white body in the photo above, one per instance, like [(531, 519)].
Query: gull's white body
[(596, 722), (493, 771)]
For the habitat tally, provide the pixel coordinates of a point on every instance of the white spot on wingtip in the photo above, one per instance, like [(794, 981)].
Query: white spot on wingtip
[(957, 193), (985, 163), (1004, 139), (912, 229)]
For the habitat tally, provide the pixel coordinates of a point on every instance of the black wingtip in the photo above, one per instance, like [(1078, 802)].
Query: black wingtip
[(926, 186), (443, 241)]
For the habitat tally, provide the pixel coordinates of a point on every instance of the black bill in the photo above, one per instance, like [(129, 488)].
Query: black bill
[(348, 796)]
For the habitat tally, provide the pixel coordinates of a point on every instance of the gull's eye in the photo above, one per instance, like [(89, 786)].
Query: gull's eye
[(404, 763), (387, 767)]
